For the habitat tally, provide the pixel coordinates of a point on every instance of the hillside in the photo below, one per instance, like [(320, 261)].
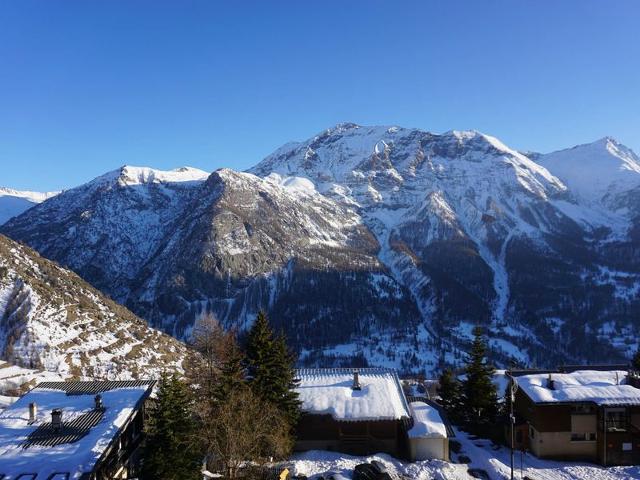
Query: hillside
[(53, 321)]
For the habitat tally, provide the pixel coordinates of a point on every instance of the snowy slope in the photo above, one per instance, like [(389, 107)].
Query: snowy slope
[(246, 244), (462, 219), (14, 202), (51, 320), (596, 172), (109, 227), (380, 245)]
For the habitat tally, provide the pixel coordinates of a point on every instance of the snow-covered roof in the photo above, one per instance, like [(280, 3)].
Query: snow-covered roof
[(25, 451), (427, 422), (328, 391), (600, 387)]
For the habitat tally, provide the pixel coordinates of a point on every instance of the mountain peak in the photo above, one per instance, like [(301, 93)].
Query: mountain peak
[(594, 170), (128, 175), (137, 175), (342, 127)]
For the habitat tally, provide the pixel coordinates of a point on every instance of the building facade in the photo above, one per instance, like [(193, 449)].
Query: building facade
[(582, 415), (365, 411)]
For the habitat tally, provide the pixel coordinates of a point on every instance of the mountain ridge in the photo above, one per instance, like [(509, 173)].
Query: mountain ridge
[(14, 202), (455, 229)]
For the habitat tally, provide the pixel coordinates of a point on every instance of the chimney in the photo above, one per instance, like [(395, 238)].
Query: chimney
[(550, 383), (356, 381), (99, 404), (56, 419), (33, 412)]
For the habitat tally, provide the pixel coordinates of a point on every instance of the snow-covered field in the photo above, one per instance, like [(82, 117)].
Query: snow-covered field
[(483, 454), (13, 377)]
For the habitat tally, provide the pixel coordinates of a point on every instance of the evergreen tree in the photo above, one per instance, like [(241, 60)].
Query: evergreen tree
[(170, 450), (449, 390), (231, 374), (286, 396), (270, 369), (480, 399), (260, 356)]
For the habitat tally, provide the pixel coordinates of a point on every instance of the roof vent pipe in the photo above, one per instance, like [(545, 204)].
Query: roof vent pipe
[(56, 419), (356, 381), (99, 403), (551, 383), (33, 412)]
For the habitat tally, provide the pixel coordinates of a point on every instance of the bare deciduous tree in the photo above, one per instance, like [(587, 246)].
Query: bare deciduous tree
[(242, 428), (213, 344)]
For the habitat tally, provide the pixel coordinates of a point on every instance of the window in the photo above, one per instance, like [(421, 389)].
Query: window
[(616, 420), (583, 437)]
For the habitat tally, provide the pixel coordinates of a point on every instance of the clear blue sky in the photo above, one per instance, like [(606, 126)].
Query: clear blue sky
[(87, 86)]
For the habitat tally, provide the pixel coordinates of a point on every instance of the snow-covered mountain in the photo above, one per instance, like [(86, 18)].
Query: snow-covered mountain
[(53, 321), (107, 229), (597, 172), (378, 244), (14, 202)]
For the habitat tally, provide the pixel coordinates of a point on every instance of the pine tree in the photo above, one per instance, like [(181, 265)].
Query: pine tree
[(170, 450), (449, 390), (480, 399), (270, 369), (231, 374), (260, 356), (286, 396)]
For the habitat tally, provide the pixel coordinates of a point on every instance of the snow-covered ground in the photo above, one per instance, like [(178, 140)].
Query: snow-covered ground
[(316, 462), (483, 454), (13, 377), (496, 462)]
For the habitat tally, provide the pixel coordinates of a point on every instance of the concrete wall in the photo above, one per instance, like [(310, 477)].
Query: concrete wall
[(559, 445), (429, 448)]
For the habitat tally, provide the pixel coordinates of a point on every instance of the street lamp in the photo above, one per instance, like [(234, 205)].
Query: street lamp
[(513, 388)]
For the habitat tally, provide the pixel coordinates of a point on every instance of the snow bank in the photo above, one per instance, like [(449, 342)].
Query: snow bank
[(317, 462)]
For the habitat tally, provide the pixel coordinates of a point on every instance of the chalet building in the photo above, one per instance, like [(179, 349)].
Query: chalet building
[(364, 411), (74, 431), (573, 414)]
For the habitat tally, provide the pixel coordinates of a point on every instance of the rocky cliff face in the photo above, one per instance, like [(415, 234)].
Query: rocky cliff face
[(377, 244)]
